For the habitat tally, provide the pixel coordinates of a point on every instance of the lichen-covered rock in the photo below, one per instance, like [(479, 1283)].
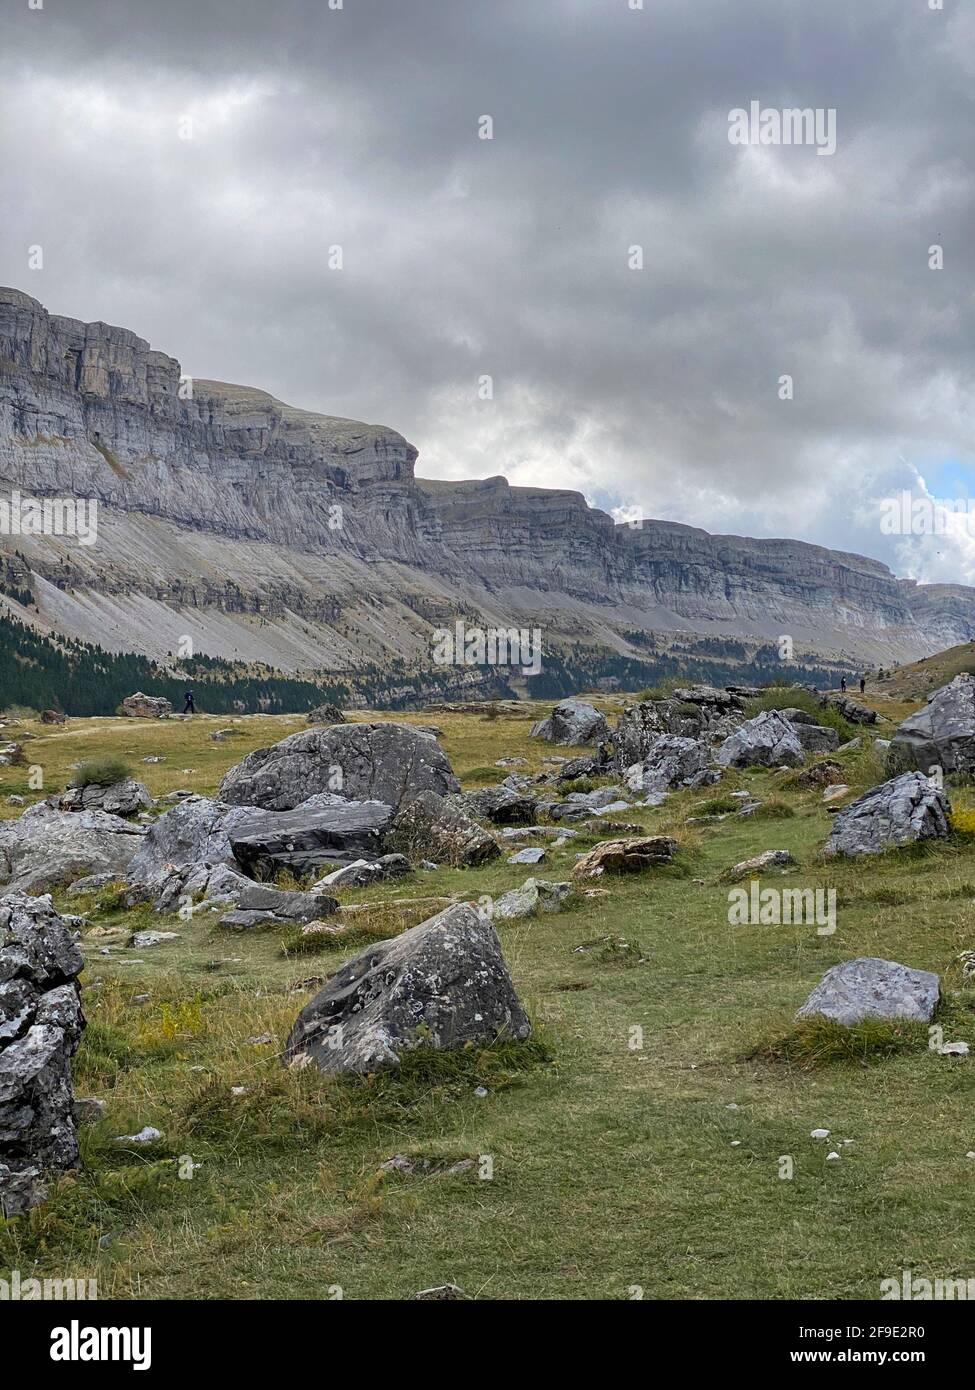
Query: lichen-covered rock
[(391, 763), (898, 812), (141, 706), (441, 984), (196, 831), (768, 859), (630, 855), (40, 1027), (45, 849), (535, 895), (429, 827), (572, 722), (870, 987), (941, 734), (768, 740), (324, 829)]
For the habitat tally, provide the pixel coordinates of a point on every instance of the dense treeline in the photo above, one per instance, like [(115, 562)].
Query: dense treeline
[(81, 679)]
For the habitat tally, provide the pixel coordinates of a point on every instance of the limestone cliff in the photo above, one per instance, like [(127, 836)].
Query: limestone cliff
[(305, 541)]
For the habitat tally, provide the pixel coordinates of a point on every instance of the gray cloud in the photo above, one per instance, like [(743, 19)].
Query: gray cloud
[(656, 388)]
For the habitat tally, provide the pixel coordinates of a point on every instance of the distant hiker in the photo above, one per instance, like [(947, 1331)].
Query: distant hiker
[(843, 684), (863, 684), (190, 706)]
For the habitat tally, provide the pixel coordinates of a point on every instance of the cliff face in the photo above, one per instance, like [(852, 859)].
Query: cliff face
[(274, 534)]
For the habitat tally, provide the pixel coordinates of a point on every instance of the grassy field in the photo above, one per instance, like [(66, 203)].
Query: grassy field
[(606, 1160)]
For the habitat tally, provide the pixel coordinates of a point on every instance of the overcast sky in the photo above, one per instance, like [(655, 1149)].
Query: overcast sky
[(656, 389)]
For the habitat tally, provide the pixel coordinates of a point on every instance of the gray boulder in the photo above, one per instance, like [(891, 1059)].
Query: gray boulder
[(708, 695), (325, 829), (325, 714), (431, 828), (120, 799), (942, 734), (45, 849), (500, 805), (815, 738), (40, 1027), (196, 831), (535, 895), (259, 904), (442, 984), (898, 812), (768, 740), (391, 763), (672, 761), (363, 872), (873, 988), (572, 722)]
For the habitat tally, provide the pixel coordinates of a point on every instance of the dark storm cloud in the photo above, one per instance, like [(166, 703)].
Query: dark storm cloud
[(659, 387)]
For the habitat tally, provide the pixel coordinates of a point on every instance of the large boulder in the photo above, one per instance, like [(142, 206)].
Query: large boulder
[(873, 988), (123, 798), (433, 829), (768, 740), (140, 706), (40, 1027), (573, 722), (391, 763), (671, 761), (632, 854), (898, 812), (324, 830), (45, 849), (941, 734), (442, 984), (195, 831)]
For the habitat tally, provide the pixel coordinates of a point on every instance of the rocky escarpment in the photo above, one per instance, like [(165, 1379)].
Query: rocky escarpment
[(304, 541)]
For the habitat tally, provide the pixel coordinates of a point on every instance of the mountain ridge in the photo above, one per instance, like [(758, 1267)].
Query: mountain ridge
[(269, 533)]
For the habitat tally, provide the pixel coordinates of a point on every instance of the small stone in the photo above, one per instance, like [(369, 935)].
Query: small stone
[(146, 1135), (831, 1156), (819, 1134), (480, 1092), (532, 855), (954, 1049)]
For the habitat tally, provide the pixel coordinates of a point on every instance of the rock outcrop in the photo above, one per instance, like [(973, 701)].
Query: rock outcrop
[(429, 827), (442, 984), (45, 849), (768, 740), (573, 722), (40, 1027), (907, 808), (632, 854), (140, 706), (941, 734)]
